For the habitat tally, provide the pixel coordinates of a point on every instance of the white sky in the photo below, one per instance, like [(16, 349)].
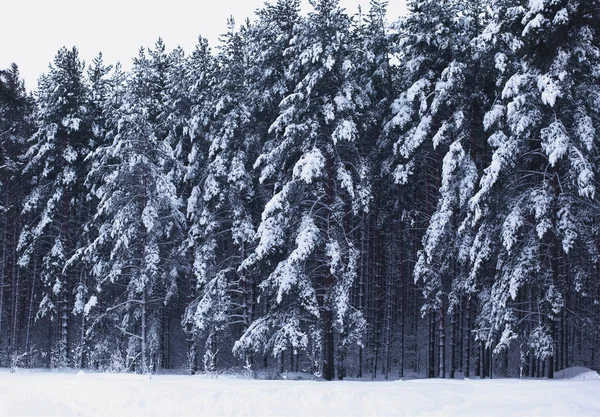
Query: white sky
[(33, 30)]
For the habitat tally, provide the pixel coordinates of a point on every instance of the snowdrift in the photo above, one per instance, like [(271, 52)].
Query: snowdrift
[(576, 373)]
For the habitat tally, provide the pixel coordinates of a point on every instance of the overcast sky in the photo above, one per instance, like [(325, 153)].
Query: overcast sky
[(33, 30)]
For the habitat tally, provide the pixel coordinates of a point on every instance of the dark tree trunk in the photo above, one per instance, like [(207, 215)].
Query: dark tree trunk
[(431, 372), (483, 364), (453, 343), (477, 360), (326, 308), (388, 309), (143, 339), (16, 295), (442, 337), (467, 352), (2, 284), (361, 284), (402, 319), (460, 329), (30, 316)]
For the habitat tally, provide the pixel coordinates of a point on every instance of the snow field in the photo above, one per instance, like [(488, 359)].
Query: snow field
[(42, 393)]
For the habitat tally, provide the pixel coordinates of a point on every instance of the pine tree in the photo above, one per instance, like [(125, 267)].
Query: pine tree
[(56, 170), (222, 225), (187, 113), (138, 220), (98, 90), (311, 265), (16, 126), (539, 185), (379, 223)]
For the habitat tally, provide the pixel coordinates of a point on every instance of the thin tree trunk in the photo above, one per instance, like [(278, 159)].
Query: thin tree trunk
[(65, 288), (530, 328), (402, 314), (361, 287), (64, 323), (16, 295), (442, 340), (490, 363), (460, 331), (326, 308), (453, 343), (467, 353), (30, 312), (416, 317), (280, 362), (388, 313), (143, 339), (2, 283), (482, 357), (550, 359), (477, 360), (431, 372), (82, 344)]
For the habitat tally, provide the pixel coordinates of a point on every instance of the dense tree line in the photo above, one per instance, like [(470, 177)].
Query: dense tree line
[(323, 193)]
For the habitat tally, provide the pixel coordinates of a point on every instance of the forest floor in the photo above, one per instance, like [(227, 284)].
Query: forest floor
[(47, 393)]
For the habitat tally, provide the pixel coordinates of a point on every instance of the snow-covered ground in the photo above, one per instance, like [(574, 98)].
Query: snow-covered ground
[(42, 393)]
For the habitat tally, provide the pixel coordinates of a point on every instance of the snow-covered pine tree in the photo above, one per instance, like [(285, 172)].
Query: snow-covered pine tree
[(188, 107), (380, 222), (535, 205), (432, 117), (268, 39), (200, 74), (103, 349), (313, 165), (186, 110), (139, 221), (98, 90), (16, 126), (55, 166), (191, 94), (219, 207), (99, 86)]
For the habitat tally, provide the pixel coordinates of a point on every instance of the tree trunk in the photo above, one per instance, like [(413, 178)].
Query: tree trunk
[(144, 306), (192, 357), (460, 329), (431, 372), (326, 308), (467, 353), (482, 365), (82, 345), (477, 360), (143, 339), (388, 313), (65, 288), (442, 337), (361, 285), (453, 343), (530, 328), (16, 305), (402, 318), (30, 312), (490, 359), (64, 323), (415, 317), (2, 284), (341, 351)]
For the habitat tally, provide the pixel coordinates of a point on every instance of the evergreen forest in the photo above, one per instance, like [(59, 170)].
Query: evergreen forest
[(319, 193)]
